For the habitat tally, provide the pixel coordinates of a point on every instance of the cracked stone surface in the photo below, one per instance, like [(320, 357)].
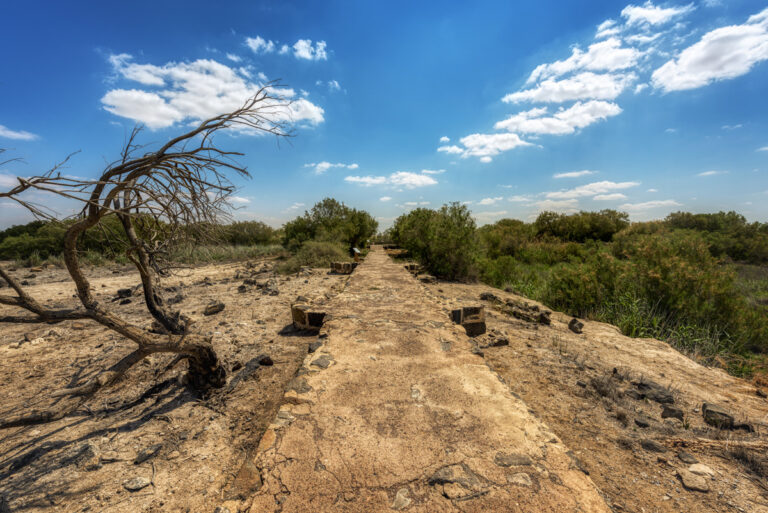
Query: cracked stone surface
[(418, 428)]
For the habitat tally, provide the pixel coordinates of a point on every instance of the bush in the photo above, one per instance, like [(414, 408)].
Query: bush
[(330, 221), (314, 254), (444, 240), (582, 226)]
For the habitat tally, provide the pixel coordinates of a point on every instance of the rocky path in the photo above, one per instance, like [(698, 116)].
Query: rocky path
[(394, 412)]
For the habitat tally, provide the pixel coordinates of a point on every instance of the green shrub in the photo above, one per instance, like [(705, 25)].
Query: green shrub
[(330, 221), (314, 254), (444, 240)]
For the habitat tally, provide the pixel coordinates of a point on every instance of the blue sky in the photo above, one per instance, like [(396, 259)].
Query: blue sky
[(511, 107)]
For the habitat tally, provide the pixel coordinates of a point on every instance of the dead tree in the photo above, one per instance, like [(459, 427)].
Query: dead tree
[(159, 198)]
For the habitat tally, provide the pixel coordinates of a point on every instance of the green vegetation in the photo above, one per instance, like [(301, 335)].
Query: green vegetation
[(697, 281)]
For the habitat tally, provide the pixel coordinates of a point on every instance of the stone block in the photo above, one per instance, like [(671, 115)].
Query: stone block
[(306, 318), (343, 267), (472, 318)]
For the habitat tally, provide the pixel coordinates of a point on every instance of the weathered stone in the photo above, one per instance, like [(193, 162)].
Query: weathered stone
[(213, 308), (457, 473), (402, 500), (85, 456), (654, 392), (520, 479), (123, 293), (717, 416), (314, 346), (701, 470), (687, 458), (136, 484), (503, 459), (671, 412), (472, 318), (642, 421), (576, 325), (125, 301), (147, 453), (323, 362), (692, 482), (305, 318), (652, 446), (342, 267), (427, 278), (489, 296)]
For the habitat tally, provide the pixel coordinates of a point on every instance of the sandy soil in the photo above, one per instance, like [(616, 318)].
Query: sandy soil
[(203, 442)]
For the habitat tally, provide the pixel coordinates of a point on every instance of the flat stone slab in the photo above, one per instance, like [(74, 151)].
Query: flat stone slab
[(399, 423)]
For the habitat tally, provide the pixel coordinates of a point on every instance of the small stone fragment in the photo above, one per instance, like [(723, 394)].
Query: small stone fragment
[(671, 412), (323, 362), (213, 307), (687, 458), (652, 446), (402, 500), (147, 453), (576, 325), (136, 484), (701, 470), (123, 293), (692, 482), (717, 416), (642, 421), (314, 346), (520, 479)]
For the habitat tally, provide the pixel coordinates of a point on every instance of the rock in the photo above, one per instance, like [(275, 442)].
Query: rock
[(692, 482), (717, 416), (222, 509), (520, 479), (29, 337), (323, 362), (472, 318), (136, 484), (123, 293), (581, 383), (652, 446), (178, 298), (242, 289), (687, 458), (488, 296), (576, 325), (457, 473), (642, 421), (503, 459), (125, 301), (76, 325), (701, 470), (54, 333), (402, 500), (428, 278), (653, 391), (671, 412), (314, 346), (761, 393), (147, 453), (213, 307)]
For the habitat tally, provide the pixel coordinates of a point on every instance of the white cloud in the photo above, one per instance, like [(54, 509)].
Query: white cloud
[(416, 203), (585, 85), (399, 178), (234, 58), (569, 205), (519, 198), (606, 28), (333, 85), (610, 197), (567, 121), (720, 54), (764, 148), (591, 189), (284, 49), (193, 91), (640, 88), (385, 198), (295, 206), (19, 135), (489, 201), (303, 49), (652, 190), (731, 127), (487, 217), (670, 130), (648, 14), (322, 167), (648, 205), (608, 55), (445, 139), (453, 149), (433, 171), (486, 146), (259, 45), (574, 174), (712, 173), (8, 181), (239, 200)]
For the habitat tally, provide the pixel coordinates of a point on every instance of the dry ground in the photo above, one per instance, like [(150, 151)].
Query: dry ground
[(206, 444), (203, 441)]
